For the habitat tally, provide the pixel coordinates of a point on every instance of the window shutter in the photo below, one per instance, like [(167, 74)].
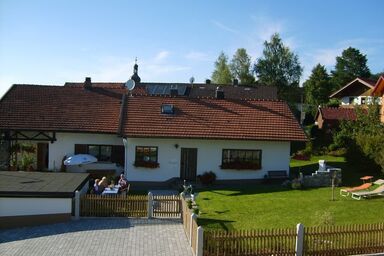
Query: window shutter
[(118, 155), (81, 149)]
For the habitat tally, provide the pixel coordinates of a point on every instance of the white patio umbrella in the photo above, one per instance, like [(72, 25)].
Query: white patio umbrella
[(80, 159)]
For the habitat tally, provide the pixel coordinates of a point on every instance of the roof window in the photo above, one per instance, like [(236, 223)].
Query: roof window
[(167, 109)]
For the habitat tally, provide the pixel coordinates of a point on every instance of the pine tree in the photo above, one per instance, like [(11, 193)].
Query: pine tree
[(350, 65), (317, 88)]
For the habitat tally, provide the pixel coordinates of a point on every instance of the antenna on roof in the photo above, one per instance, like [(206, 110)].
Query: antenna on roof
[(191, 80), (130, 85)]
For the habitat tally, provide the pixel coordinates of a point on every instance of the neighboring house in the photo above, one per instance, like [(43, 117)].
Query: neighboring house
[(378, 91), (357, 92), (329, 118), (157, 131)]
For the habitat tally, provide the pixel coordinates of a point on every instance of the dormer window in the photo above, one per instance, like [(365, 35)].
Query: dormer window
[(167, 109)]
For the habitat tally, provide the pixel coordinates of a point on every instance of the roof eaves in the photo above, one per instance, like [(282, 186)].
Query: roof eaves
[(353, 81)]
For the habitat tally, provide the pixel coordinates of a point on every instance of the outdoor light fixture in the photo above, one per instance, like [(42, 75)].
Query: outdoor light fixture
[(176, 145)]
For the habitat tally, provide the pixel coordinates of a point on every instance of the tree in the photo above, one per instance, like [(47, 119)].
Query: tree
[(221, 74), (349, 65), (241, 67), (317, 88), (363, 137), (278, 66)]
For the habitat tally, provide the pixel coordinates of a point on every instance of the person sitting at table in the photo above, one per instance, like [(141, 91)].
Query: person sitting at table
[(103, 183), (123, 182), (96, 188)]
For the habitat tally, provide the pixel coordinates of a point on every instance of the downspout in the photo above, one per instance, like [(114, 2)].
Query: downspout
[(125, 142), (120, 130)]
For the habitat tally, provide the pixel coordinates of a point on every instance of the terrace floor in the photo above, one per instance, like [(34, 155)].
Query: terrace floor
[(98, 236)]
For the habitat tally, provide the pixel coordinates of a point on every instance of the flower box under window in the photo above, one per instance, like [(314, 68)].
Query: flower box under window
[(146, 164), (241, 166)]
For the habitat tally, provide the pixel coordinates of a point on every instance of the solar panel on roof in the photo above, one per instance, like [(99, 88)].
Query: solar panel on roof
[(165, 89)]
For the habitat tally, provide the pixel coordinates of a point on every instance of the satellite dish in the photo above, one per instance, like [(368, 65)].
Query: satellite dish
[(191, 80), (130, 84)]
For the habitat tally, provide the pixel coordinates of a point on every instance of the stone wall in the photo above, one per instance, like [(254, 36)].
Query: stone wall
[(321, 179)]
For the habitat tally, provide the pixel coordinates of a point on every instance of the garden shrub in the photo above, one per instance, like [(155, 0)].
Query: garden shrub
[(207, 178)]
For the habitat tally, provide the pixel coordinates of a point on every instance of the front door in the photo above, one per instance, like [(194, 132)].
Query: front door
[(42, 156), (188, 164)]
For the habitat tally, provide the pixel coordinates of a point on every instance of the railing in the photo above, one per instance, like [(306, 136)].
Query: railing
[(130, 206), (167, 206), (250, 242), (113, 206), (193, 232), (344, 240), (326, 240)]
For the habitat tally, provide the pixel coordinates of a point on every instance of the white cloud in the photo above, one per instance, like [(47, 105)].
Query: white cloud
[(265, 27), (197, 56), (162, 55), (224, 27)]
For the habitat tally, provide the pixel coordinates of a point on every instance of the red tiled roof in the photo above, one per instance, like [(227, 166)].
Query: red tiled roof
[(71, 108), (338, 113), (211, 118), (61, 108), (139, 89)]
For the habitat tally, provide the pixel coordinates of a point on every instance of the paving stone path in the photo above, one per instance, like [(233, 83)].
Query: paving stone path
[(98, 236)]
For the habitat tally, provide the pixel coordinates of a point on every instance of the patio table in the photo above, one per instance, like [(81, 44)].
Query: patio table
[(111, 191)]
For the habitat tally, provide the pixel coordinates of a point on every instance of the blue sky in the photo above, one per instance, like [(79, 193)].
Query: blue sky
[(51, 42)]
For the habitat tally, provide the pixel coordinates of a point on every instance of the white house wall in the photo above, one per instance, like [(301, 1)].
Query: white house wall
[(34, 206), (65, 145), (275, 156)]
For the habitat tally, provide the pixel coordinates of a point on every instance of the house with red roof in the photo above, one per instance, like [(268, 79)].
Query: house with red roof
[(378, 91), (330, 117), (155, 132), (357, 92)]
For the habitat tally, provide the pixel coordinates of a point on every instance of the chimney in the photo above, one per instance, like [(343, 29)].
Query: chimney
[(173, 91), (87, 83), (208, 81), (219, 94), (235, 82)]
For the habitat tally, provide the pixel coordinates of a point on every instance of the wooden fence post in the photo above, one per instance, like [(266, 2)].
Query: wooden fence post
[(150, 205), (200, 241), (193, 217), (77, 205), (299, 239)]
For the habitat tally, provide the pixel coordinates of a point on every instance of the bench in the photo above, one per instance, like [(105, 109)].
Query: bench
[(279, 174)]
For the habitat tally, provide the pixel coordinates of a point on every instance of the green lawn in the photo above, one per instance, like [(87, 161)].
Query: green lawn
[(272, 206)]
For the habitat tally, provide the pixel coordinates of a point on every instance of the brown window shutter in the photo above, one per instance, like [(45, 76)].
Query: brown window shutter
[(118, 155), (81, 149)]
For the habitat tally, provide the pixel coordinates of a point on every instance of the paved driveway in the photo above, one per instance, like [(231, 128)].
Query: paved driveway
[(98, 236)]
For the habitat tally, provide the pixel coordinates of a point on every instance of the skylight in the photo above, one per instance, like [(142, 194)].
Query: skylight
[(167, 109)]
